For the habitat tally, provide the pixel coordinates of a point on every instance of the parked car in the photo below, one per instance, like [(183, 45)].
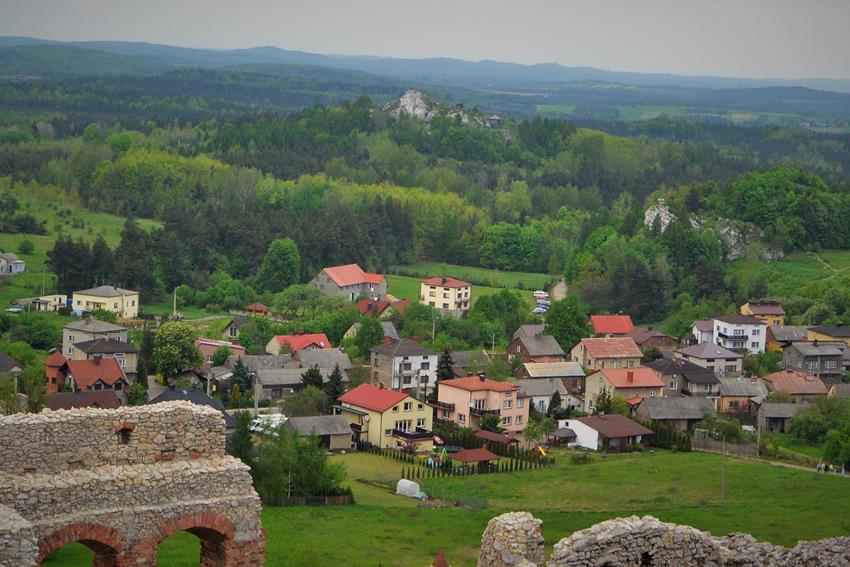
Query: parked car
[(544, 303), (539, 311), (540, 294), (267, 422)]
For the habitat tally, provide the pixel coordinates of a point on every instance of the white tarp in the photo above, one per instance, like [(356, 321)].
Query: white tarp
[(408, 488)]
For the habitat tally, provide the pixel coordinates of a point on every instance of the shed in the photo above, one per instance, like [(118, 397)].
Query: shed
[(333, 431)]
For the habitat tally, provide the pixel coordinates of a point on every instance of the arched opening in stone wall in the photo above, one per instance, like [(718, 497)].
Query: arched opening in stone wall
[(74, 554), (81, 544), (211, 546)]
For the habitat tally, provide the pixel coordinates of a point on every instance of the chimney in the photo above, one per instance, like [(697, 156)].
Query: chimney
[(482, 376), (445, 279), (381, 386), (96, 358), (815, 342), (415, 339), (88, 320), (630, 376), (388, 340)]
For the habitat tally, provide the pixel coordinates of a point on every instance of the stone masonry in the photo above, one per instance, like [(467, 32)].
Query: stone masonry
[(514, 539), (121, 481)]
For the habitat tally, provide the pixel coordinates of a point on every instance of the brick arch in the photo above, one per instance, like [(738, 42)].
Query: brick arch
[(106, 542), (214, 530)]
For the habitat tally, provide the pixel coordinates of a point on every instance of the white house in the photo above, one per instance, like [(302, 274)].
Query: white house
[(703, 331), (404, 365), (10, 264), (602, 432), (739, 332)]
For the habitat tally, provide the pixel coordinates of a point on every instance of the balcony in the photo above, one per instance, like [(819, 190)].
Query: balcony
[(481, 412), (729, 337), (699, 394), (414, 436), (443, 405)]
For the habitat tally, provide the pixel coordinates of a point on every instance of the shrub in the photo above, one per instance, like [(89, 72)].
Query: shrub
[(26, 247), (581, 458)]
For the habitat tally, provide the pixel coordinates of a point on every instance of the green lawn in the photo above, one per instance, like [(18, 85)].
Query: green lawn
[(775, 504), (486, 276), (801, 274)]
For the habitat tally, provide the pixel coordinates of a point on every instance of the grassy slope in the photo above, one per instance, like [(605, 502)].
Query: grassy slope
[(792, 276), (493, 278), (775, 504), (406, 287)]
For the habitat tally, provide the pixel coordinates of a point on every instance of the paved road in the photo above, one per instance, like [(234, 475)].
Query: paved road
[(559, 291)]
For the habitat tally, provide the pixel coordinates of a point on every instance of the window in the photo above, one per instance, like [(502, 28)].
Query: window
[(737, 332), (420, 422), (432, 293), (508, 404), (117, 386), (277, 393), (70, 350), (445, 305), (631, 364), (407, 366), (408, 406), (518, 348), (71, 338), (520, 403), (209, 359), (461, 418), (479, 404), (445, 414), (652, 393), (395, 409), (98, 386), (407, 380), (541, 406), (755, 332), (811, 365), (733, 404), (674, 385), (419, 406), (425, 366), (616, 363), (388, 432), (729, 369), (506, 420), (518, 419), (403, 425)]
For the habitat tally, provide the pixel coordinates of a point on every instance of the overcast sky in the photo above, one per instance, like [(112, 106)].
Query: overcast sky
[(740, 38)]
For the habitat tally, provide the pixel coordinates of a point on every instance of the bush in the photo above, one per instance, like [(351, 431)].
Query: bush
[(581, 458), (26, 247)]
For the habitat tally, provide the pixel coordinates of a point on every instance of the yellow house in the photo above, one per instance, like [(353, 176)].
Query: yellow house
[(123, 302), (386, 418), (836, 333), (447, 295), (769, 312)]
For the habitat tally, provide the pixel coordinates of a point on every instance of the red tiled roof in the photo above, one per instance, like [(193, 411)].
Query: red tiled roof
[(257, 307), (795, 382), (634, 400), (352, 274), (372, 397), (614, 347), (474, 384), (640, 377), (299, 342), (767, 308), (612, 324), (445, 282), (87, 372), (371, 307), (496, 437), (104, 399), (55, 360), (474, 456)]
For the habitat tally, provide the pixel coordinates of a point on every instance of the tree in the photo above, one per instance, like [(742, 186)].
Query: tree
[(650, 354), (32, 383), (312, 377), (235, 395), (492, 423), (220, 356), (537, 427), (138, 395), (281, 266), (133, 259), (174, 348), (145, 363), (9, 402), (602, 403), (780, 398), (242, 376), (335, 386), (554, 403), (836, 449), (370, 335), (566, 321), (26, 247), (105, 315), (36, 329), (309, 401), (241, 443), (445, 364)]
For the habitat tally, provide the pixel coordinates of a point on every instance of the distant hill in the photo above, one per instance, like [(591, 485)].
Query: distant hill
[(43, 60)]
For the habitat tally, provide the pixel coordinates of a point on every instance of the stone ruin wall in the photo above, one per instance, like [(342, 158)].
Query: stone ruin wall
[(121, 481), (515, 539)]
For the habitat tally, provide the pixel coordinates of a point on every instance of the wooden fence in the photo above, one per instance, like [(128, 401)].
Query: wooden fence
[(312, 500), (733, 449)]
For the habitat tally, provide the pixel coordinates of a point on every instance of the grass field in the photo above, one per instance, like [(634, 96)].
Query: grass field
[(776, 504), (802, 274), (475, 275)]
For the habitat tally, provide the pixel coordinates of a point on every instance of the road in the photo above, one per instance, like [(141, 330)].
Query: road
[(559, 291)]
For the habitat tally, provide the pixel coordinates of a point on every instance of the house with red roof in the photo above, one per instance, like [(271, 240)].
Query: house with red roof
[(296, 342), (802, 386), (631, 384), (382, 309), (208, 347), (611, 325), (351, 281), (53, 369), (96, 374), (450, 296), (612, 352), (257, 309), (465, 401), (387, 418)]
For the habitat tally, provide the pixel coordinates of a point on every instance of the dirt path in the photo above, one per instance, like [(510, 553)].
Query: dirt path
[(823, 262), (559, 291)]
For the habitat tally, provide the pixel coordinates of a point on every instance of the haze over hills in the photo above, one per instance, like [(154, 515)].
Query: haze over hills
[(441, 70)]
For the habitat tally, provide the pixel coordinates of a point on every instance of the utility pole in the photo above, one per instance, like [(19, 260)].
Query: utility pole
[(255, 384), (174, 306), (209, 380), (723, 469), (433, 327)]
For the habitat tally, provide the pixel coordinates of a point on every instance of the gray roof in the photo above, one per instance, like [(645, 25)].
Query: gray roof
[(541, 345), (286, 377), (10, 257), (92, 325), (841, 390), (8, 363), (788, 333), (541, 387), (259, 361), (771, 409), (676, 408), (708, 350), (704, 325), (238, 321), (820, 348), (528, 331), (195, 396), (105, 346), (107, 291), (323, 358), (738, 319), (567, 369), (320, 425), (564, 433), (463, 359), (693, 373), (388, 327), (404, 347), (842, 331), (741, 387)]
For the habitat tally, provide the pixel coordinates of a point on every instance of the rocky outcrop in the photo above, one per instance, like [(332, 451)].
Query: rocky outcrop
[(416, 104)]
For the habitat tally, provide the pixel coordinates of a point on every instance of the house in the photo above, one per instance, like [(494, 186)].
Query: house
[(333, 431), (646, 338), (538, 393), (605, 432), (539, 348), (9, 365), (829, 333), (469, 362), (258, 310), (802, 386), (43, 303), (235, 326), (208, 348), (404, 365), (123, 302), (96, 374), (278, 383), (619, 352), (386, 418), (684, 378), (740, 396), (774, 417), (103, 399), (494, 121), (323, 358), (351, 282), (631, 384), (703, 331), (779, 337), (611, 325), (390, 332), (465, 401), (722, 361), (769, 312), (528, 331), (11, 265), (826, 360), (449, 296), (570, 373), (54, 370), (123, 352), (740, 333), (382, 309), (839, 391), (492, 437), (680, 413), (89, 329), (296, 342), (196, 396)]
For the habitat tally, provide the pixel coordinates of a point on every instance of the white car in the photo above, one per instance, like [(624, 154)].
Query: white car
[(268, 421), (540, 294)]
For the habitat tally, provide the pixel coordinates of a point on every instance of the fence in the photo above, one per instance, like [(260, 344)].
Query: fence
[(734, 449), (312, 500), (420, 469)]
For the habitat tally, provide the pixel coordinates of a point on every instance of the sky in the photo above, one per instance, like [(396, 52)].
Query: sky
[(737, 38)]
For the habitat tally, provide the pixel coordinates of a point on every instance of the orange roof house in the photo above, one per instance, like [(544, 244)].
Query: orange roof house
[(96, 374), (372, 397), (257, 309), (611, 325), (351, 281), (611, 352), (446, 282), (632, 384), (801, 385), (298, 341), (382, 308)]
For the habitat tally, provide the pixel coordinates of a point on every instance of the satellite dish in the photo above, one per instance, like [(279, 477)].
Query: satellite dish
[(366, 418)]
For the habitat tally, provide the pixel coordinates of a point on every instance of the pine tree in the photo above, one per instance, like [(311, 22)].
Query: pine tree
[(445, 366), (554, 403), (312, 377), (241, 376), (241, 444), (335, 386)]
